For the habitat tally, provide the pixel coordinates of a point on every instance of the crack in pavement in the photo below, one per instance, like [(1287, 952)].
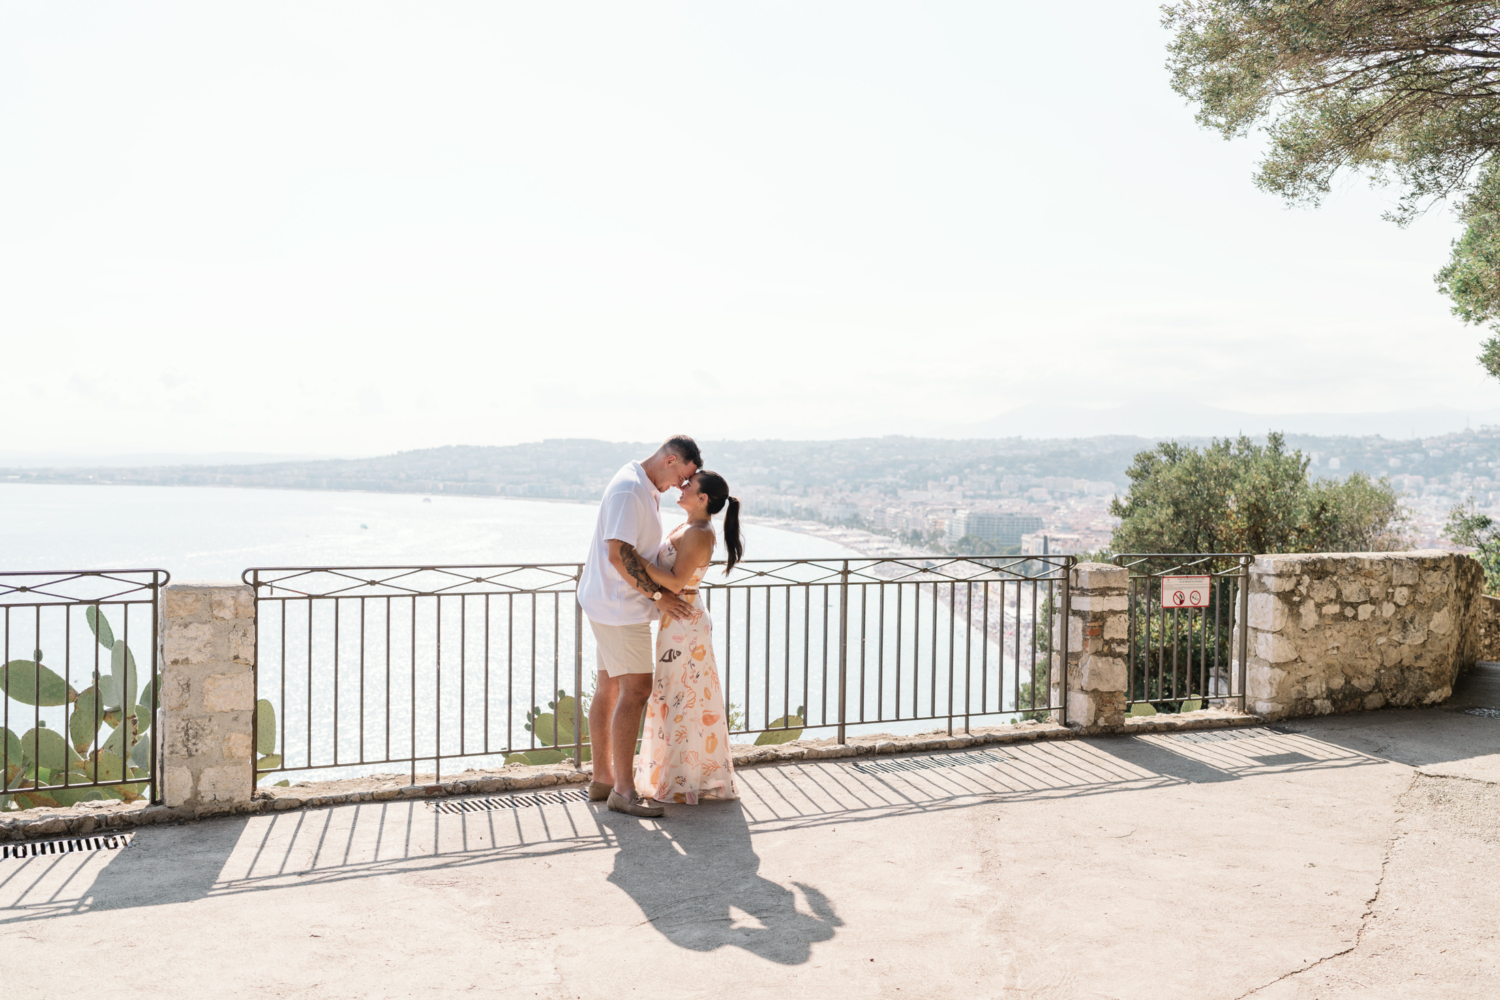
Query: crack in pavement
[(1364, 920)]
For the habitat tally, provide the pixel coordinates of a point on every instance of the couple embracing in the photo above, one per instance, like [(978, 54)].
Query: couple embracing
[(634, 576)]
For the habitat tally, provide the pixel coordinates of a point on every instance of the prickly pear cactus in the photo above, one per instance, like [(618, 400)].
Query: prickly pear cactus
[(554, 729), (106, 736), (265, 741), (786, 729)]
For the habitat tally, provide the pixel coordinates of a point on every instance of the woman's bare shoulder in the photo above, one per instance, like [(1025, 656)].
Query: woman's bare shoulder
[(699, 537)]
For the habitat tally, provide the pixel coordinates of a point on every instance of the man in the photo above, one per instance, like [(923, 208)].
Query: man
[(621, 601)]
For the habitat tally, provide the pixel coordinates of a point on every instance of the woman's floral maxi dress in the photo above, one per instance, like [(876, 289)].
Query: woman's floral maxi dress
[(685, 746)]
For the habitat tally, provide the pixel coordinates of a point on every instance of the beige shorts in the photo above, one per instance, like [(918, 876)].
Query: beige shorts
[(624, 649)]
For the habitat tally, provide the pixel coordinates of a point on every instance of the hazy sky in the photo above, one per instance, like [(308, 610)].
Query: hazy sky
[(321, 227)]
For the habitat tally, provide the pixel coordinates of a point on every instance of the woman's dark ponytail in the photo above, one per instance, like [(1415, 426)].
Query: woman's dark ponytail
[(734, 545), (716, 489)]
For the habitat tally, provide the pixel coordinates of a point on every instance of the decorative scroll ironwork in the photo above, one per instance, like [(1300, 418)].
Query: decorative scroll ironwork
[(102, 586), (894, 569), (413, 581)]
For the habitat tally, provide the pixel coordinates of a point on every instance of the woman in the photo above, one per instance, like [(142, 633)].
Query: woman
[(685, 746)]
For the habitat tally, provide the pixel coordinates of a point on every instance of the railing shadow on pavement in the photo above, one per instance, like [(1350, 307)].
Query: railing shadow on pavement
[(370, 840)]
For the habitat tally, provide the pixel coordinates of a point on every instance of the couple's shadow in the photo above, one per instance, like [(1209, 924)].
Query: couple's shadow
[(697, 881)]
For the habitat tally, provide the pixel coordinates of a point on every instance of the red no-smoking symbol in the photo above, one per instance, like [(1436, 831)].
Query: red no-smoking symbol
[(1184, 591)]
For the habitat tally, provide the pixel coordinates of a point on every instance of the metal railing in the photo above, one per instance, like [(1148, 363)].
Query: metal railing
[(359, 667), (75, 688), (1186, 654)]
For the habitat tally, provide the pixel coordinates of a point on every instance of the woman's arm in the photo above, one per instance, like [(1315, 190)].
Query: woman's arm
[(694, 550)]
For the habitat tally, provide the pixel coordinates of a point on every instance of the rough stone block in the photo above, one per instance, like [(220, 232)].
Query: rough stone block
[(176, 689), (1100, 576), (1412, 632), (1354, 591), (1267, 612), (1102, 673), (189, 643), (225, 783), (237, 746), (1095, 603), (191, 737), (179, 603), (1442, 622), (233, 602), (1117, 627), (228, 692), (1268, 709), (1274, 647), (242, 643), (177, 789), (1274, 574), (1080, 709)]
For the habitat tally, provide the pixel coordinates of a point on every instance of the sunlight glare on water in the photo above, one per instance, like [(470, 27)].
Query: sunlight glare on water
[(214, 533)]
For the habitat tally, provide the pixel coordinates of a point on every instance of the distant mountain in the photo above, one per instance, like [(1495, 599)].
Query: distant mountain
[(1165, 419), (578, 469), (83, 460)]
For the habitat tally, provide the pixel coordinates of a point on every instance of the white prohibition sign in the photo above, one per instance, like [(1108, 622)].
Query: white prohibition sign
[(1184, 591)]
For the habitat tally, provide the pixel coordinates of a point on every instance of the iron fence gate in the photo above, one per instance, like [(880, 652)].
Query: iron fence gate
[(358, 667), (70, 683), (894, 640), (1187, 641)]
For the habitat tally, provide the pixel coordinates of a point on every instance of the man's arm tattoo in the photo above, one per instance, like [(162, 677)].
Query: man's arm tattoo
[(636, 568)]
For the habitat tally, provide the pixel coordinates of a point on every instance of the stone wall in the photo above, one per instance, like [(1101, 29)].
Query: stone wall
[(1348, 632), (207, 635), (1488, 623)]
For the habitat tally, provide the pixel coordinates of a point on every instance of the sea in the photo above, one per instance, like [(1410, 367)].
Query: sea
[(215, 533)]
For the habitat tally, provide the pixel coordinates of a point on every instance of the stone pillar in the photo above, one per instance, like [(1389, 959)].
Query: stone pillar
[(1098, 633), (207, 636)]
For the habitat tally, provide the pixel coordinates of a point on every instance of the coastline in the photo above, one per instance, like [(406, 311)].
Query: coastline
[(861, 541)]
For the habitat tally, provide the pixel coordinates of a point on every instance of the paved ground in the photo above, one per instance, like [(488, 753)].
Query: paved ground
[(1349, 857)]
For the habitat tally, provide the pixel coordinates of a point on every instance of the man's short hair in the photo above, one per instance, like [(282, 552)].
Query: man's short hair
[(684, 448)]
